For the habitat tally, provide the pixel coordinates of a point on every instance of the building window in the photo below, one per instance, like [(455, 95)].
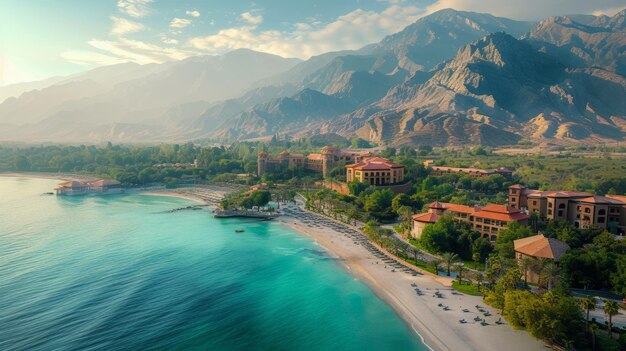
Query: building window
[(550, 212), (561, 205), (587, 210), (601, 212), (534, 203), (550, 204), (560, 213), (600, 219)]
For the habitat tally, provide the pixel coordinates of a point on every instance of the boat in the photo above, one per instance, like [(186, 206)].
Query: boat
[(239, 231)]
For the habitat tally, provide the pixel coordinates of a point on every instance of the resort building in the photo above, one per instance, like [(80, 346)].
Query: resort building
[(81, 187), (488, 220), (538, 246), (328, 158), (581, 209), (375, 171), (472, 172)]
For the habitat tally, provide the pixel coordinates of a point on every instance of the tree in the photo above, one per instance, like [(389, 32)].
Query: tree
[(588, 304), (440, 236), (379, 203), (401, 200), (436, 263), (594, 330), (22, 163), (449, 259), (504, 242), (611, 308), (525, 264), (549, 274), (460, 272), (261, 198)]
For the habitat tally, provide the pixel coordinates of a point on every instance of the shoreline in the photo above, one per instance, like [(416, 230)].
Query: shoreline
[(438, 329)]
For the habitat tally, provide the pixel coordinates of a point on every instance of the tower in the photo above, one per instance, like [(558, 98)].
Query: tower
[(262, 163)]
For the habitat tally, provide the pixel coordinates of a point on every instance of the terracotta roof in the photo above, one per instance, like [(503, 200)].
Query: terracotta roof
[(501, 213), (284, 153), (472, 170), (374, 163), (567, 194), (500, 208), (262, 153), (73, 184), (517, 186), (296, 155), (436, 205), (315, 157), (460, 208), (621, 198), (603, 200), (540, 246), (425, 217), (104, 182)]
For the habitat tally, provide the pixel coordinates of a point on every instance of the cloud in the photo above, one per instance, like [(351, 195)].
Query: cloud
[(194, 13), (166, 40), (530, 9), (251, 19), (80, 57), (124, 26), (180, 23), (134, 8), (140, 51), (351, 31)]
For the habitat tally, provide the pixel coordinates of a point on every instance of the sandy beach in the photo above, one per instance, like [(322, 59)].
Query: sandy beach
[(439, 329)]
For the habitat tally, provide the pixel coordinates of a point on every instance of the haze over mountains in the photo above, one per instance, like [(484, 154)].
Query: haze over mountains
[(450, 78)]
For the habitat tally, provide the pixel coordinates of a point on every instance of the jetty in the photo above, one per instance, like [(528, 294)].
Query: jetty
[(219, 213)]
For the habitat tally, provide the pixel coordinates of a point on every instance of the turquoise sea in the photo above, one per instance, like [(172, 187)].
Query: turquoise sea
[(120, 273)]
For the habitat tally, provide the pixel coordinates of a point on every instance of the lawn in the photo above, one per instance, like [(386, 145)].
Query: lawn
[(466, 288)]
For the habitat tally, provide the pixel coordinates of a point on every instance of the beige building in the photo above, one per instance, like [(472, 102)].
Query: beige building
[(581, 209), (328, 158), (488, 220), (375, 171), (472, 172), (80, 187)]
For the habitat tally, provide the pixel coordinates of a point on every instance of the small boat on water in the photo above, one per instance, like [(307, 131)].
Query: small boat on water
[(239, 231)]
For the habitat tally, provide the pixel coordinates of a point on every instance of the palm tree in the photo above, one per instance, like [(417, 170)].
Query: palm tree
[(436, 263), (588, 304), (611, 308), (460, 270), (525, 263), (449, 259), (479, 278), (594, 329), (550, 273)]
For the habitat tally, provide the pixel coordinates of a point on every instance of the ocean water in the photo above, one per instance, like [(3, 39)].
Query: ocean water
[(120, 273)]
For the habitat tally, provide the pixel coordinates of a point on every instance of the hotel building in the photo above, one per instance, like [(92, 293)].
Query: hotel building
[(581, 209), (328, 158), (488, 220), (375, 171), (472, 172)]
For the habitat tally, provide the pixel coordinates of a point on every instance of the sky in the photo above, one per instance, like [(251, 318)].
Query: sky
[(44, 38)]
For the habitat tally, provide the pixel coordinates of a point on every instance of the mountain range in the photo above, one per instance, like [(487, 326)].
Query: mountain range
[(450, 78)]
